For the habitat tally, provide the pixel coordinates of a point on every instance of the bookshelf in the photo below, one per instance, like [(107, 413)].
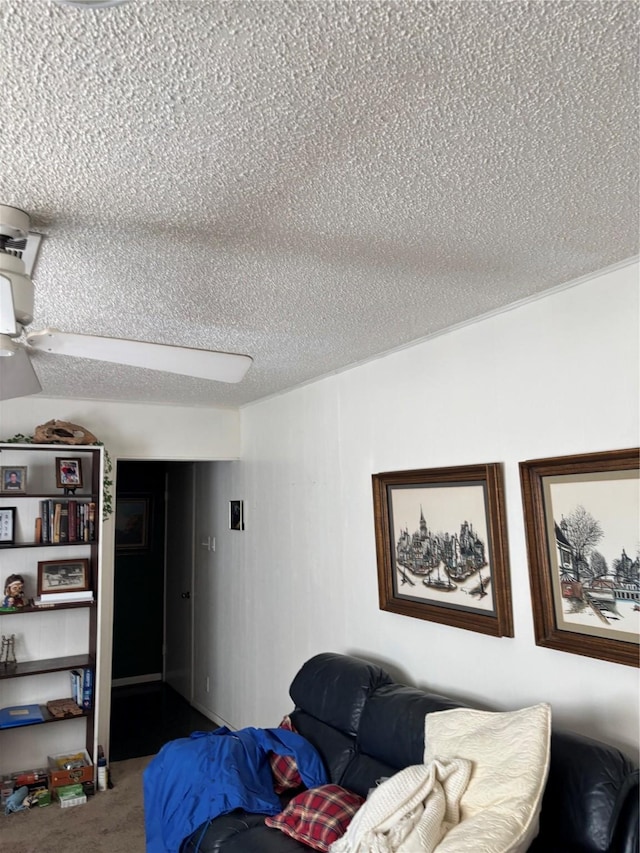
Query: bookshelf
[(54, 640)]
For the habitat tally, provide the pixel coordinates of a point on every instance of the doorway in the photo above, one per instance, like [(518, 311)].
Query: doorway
[(152, 628)]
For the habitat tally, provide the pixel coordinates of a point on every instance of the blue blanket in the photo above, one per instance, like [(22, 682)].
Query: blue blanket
[(194, 779)]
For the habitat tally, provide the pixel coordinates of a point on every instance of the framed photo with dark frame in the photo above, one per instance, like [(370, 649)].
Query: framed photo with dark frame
[(13, 480), (582, 516), (7, 525), (68, 472), (441, 544), (132, 522), (63, 576), (236, 515)]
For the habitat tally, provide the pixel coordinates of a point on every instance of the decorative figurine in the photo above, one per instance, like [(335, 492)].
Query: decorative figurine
[(14, 592)]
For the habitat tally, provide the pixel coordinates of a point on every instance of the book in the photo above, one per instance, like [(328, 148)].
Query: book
[(44, 509), (37, 533), (92, 521), (20, 715), (87, 689), (57, 509), (64, 597), (64, 521), (76, 690), (73, 521)]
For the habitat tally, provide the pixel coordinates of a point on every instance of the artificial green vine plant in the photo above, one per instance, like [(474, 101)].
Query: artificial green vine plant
[(107, 481)]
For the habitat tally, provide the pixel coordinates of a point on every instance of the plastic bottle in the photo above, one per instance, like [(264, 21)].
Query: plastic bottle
[(103, 772)]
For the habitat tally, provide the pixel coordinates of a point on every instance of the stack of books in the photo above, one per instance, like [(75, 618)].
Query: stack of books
[(66, 521), (50, 599), (82, 687)]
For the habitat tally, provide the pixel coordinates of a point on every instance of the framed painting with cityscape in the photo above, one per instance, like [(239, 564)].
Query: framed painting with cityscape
[(441, 544), (582, 517)]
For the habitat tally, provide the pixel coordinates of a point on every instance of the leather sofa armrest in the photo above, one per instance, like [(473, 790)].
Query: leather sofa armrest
[(627, 821)]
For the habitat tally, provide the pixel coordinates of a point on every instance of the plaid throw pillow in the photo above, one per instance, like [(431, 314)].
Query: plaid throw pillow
[(283, 767), (319, 816)]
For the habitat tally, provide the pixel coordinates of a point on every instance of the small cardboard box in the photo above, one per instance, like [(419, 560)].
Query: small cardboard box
[(70, 768), (33, 779), (43, 797), (70, 795)]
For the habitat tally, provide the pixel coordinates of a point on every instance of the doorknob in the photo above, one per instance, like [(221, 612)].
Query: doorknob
[(186, 594)]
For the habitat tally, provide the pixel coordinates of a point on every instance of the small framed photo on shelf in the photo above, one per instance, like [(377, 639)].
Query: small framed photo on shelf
[(7, 525), (13, 480), (63, 576), (236, 515), (68, 473)]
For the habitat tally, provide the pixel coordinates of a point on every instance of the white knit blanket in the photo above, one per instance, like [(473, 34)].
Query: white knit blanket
[(410, 812)]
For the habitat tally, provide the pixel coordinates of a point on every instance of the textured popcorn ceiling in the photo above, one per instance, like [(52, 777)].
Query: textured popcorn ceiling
[(311, 183)]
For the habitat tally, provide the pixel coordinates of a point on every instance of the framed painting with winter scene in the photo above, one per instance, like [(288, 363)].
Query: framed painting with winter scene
[(582, 516), (441, 544)]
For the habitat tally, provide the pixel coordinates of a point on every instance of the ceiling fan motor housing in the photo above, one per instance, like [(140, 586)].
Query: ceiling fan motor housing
[(20, 292), (16, 288)]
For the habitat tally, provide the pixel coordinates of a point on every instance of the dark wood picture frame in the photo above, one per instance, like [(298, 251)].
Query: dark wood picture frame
[(63, 576), (132, 522), (581, 514), (7, 525), (236, 515), (448, 561), (69, 472), (17, 487)]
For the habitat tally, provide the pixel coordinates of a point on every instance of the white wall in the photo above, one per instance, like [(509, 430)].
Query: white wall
[(133, 430), (128, 431), (556, 376)]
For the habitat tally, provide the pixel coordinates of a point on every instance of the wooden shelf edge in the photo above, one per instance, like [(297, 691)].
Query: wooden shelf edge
[(18, 545), (38, 667), (49, 608), (48, 718)]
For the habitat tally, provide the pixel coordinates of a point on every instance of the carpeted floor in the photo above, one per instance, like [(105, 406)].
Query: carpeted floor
[(109, 822)]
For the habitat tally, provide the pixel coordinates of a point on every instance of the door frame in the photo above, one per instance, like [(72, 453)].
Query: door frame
[(190, 576)]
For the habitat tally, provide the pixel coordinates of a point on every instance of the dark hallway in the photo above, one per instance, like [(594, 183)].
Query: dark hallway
[(145, 716)]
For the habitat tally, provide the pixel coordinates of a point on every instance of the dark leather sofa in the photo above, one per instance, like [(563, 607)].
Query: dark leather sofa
[(365, 727)]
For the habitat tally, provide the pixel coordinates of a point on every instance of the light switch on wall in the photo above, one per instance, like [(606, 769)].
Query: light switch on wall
[(209, 543)]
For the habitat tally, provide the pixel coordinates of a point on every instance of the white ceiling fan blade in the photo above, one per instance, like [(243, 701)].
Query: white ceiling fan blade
[(8, 325), (203, 364), (17, 376)]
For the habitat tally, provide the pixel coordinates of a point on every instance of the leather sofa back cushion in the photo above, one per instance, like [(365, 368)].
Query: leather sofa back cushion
[(364, 772), (595, 776), (334, 688), (500, 808), (392, 725), (336, 749)]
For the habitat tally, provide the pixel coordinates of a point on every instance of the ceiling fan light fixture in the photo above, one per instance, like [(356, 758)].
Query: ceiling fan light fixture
[(7, 346)]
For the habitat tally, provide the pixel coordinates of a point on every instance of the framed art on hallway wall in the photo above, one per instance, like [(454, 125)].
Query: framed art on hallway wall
[(582, 516), (132, 522), (441, 545), (236, 515)]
